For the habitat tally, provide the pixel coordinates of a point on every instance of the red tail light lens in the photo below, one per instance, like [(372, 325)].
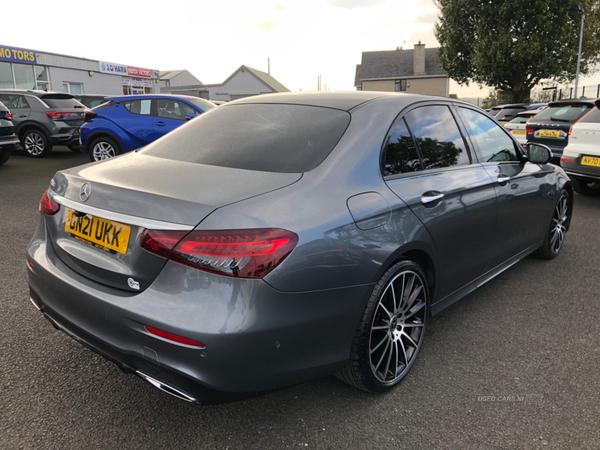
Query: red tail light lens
[(8, 116), (89, 115), (173, 337), (529, 130), (566, 159), (48, 206), (55, 115), (249, 253)]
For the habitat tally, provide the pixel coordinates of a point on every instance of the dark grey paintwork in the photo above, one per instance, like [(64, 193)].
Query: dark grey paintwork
[(298, 322)]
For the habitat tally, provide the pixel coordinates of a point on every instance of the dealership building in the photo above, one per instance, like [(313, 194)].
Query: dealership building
[(31, 69)]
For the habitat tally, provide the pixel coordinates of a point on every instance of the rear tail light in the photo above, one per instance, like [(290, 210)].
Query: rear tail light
[(8, 116), (89, 115), (57, 115), (249, 253), (529, 130), (48, 206)]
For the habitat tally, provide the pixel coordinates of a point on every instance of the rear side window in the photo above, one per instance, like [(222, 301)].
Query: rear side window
[(400, 152), (14, 101), (563, 113), (438, 137), (592, 117), (494, 144), (265, 137), (141, 107)]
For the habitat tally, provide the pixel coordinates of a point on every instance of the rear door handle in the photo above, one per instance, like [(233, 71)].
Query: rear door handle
[(22, 116), (431, 197), (503, 180), (160, 124)]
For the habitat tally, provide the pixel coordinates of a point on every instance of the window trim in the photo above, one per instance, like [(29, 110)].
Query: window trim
[(518, 147), (474, 160)]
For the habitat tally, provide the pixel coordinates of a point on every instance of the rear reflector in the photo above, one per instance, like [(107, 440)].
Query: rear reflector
[(251, 253), (566, 159), (8, 116), (89, 115), (30, 264), (529, 130), (174, 337), (48, 206)]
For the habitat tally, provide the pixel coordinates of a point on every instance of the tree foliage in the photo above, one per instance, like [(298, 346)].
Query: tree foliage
[(512, 45)]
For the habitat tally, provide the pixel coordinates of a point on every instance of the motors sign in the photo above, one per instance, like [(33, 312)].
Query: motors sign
[(18, 55), (116, 69)]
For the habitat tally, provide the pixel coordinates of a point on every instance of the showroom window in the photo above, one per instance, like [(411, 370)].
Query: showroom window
[(73, 88), (23, 76)]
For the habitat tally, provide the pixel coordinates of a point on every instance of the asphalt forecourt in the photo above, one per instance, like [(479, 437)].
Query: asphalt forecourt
[(513, 365)]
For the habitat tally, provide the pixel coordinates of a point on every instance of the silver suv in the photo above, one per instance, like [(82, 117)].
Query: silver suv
[(43, 119)]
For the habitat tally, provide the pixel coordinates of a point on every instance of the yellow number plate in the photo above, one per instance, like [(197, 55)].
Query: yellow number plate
[(550, 133), (101, 233), (518, 131), (589, 161)]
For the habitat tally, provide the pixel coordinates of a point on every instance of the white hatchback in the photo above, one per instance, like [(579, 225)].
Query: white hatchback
[(517, 125), (581, 157)]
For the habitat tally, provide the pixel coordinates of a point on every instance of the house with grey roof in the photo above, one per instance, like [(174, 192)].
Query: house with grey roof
[(414, 71), (245, 82)]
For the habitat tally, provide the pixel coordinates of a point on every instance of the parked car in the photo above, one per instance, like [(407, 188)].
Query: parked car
[(129, 122), (8, 138), (274, 240), (44, 119), (90, 100), (517, 125), (581, 158), (551, 126), (504, 113)]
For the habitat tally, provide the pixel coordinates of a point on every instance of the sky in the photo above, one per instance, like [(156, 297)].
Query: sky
[(212, 38)]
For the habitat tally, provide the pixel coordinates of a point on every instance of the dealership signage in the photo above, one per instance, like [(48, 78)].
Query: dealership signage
[(106, 67), (136, 82), (138, 72), (18, 55)]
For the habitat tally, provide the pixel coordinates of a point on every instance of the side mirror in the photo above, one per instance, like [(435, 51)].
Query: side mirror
[(538, 153), (191, 116)]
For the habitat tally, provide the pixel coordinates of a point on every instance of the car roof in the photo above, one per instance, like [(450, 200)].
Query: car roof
[(37, 93), (120, 98), (573, 101), (343, 100), (511, 105), (529, 112)]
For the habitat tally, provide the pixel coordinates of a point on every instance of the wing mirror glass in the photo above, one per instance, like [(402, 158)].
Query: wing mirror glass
[(538, 153)]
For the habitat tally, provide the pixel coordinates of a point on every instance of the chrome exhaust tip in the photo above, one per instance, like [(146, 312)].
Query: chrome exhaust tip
[(168, 389)]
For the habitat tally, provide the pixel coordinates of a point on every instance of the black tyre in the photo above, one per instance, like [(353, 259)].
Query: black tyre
[(35, 143), (4, 156), (391, 330), (557, 230), (585, 186), (103, 147), (74, 147)]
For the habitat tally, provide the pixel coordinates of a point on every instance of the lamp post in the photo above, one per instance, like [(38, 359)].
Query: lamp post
[(582, 11)]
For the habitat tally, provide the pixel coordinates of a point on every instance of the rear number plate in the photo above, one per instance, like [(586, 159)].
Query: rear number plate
[(550, 133), (518, 131), (101, 233), (589, 161)]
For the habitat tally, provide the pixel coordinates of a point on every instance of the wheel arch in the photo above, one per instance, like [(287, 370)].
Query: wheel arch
[(23, 127), (102, 133)]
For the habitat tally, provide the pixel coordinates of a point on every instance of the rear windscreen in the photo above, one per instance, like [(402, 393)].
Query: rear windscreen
[(592, 117), (265, 137), (508, 113), (521, 119), (62, 103), (563, 113)]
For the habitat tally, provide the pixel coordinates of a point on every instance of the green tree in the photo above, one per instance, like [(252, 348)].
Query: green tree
[(512, 45), (491, 100)]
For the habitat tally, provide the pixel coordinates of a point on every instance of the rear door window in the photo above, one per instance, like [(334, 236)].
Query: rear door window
[(174, 109), (265, 137), (438, 138), (141, 107), (12, 101), (493, 142)]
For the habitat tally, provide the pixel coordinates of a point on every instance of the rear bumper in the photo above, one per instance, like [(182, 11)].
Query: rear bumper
[(8, 143), (575, 168), (66, 138), (257, 338)]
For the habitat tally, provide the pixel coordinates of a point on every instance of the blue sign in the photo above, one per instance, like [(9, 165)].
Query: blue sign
[(106, 67), (18, 55)]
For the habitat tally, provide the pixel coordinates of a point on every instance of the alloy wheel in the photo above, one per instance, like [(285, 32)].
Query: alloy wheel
[(559, 223), (398, 327), (103, 150), (34, 144)]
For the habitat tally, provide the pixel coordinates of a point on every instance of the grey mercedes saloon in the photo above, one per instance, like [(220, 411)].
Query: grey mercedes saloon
[(285, 237)]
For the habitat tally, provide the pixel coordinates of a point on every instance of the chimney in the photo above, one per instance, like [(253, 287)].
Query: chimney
[(419, 59)]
